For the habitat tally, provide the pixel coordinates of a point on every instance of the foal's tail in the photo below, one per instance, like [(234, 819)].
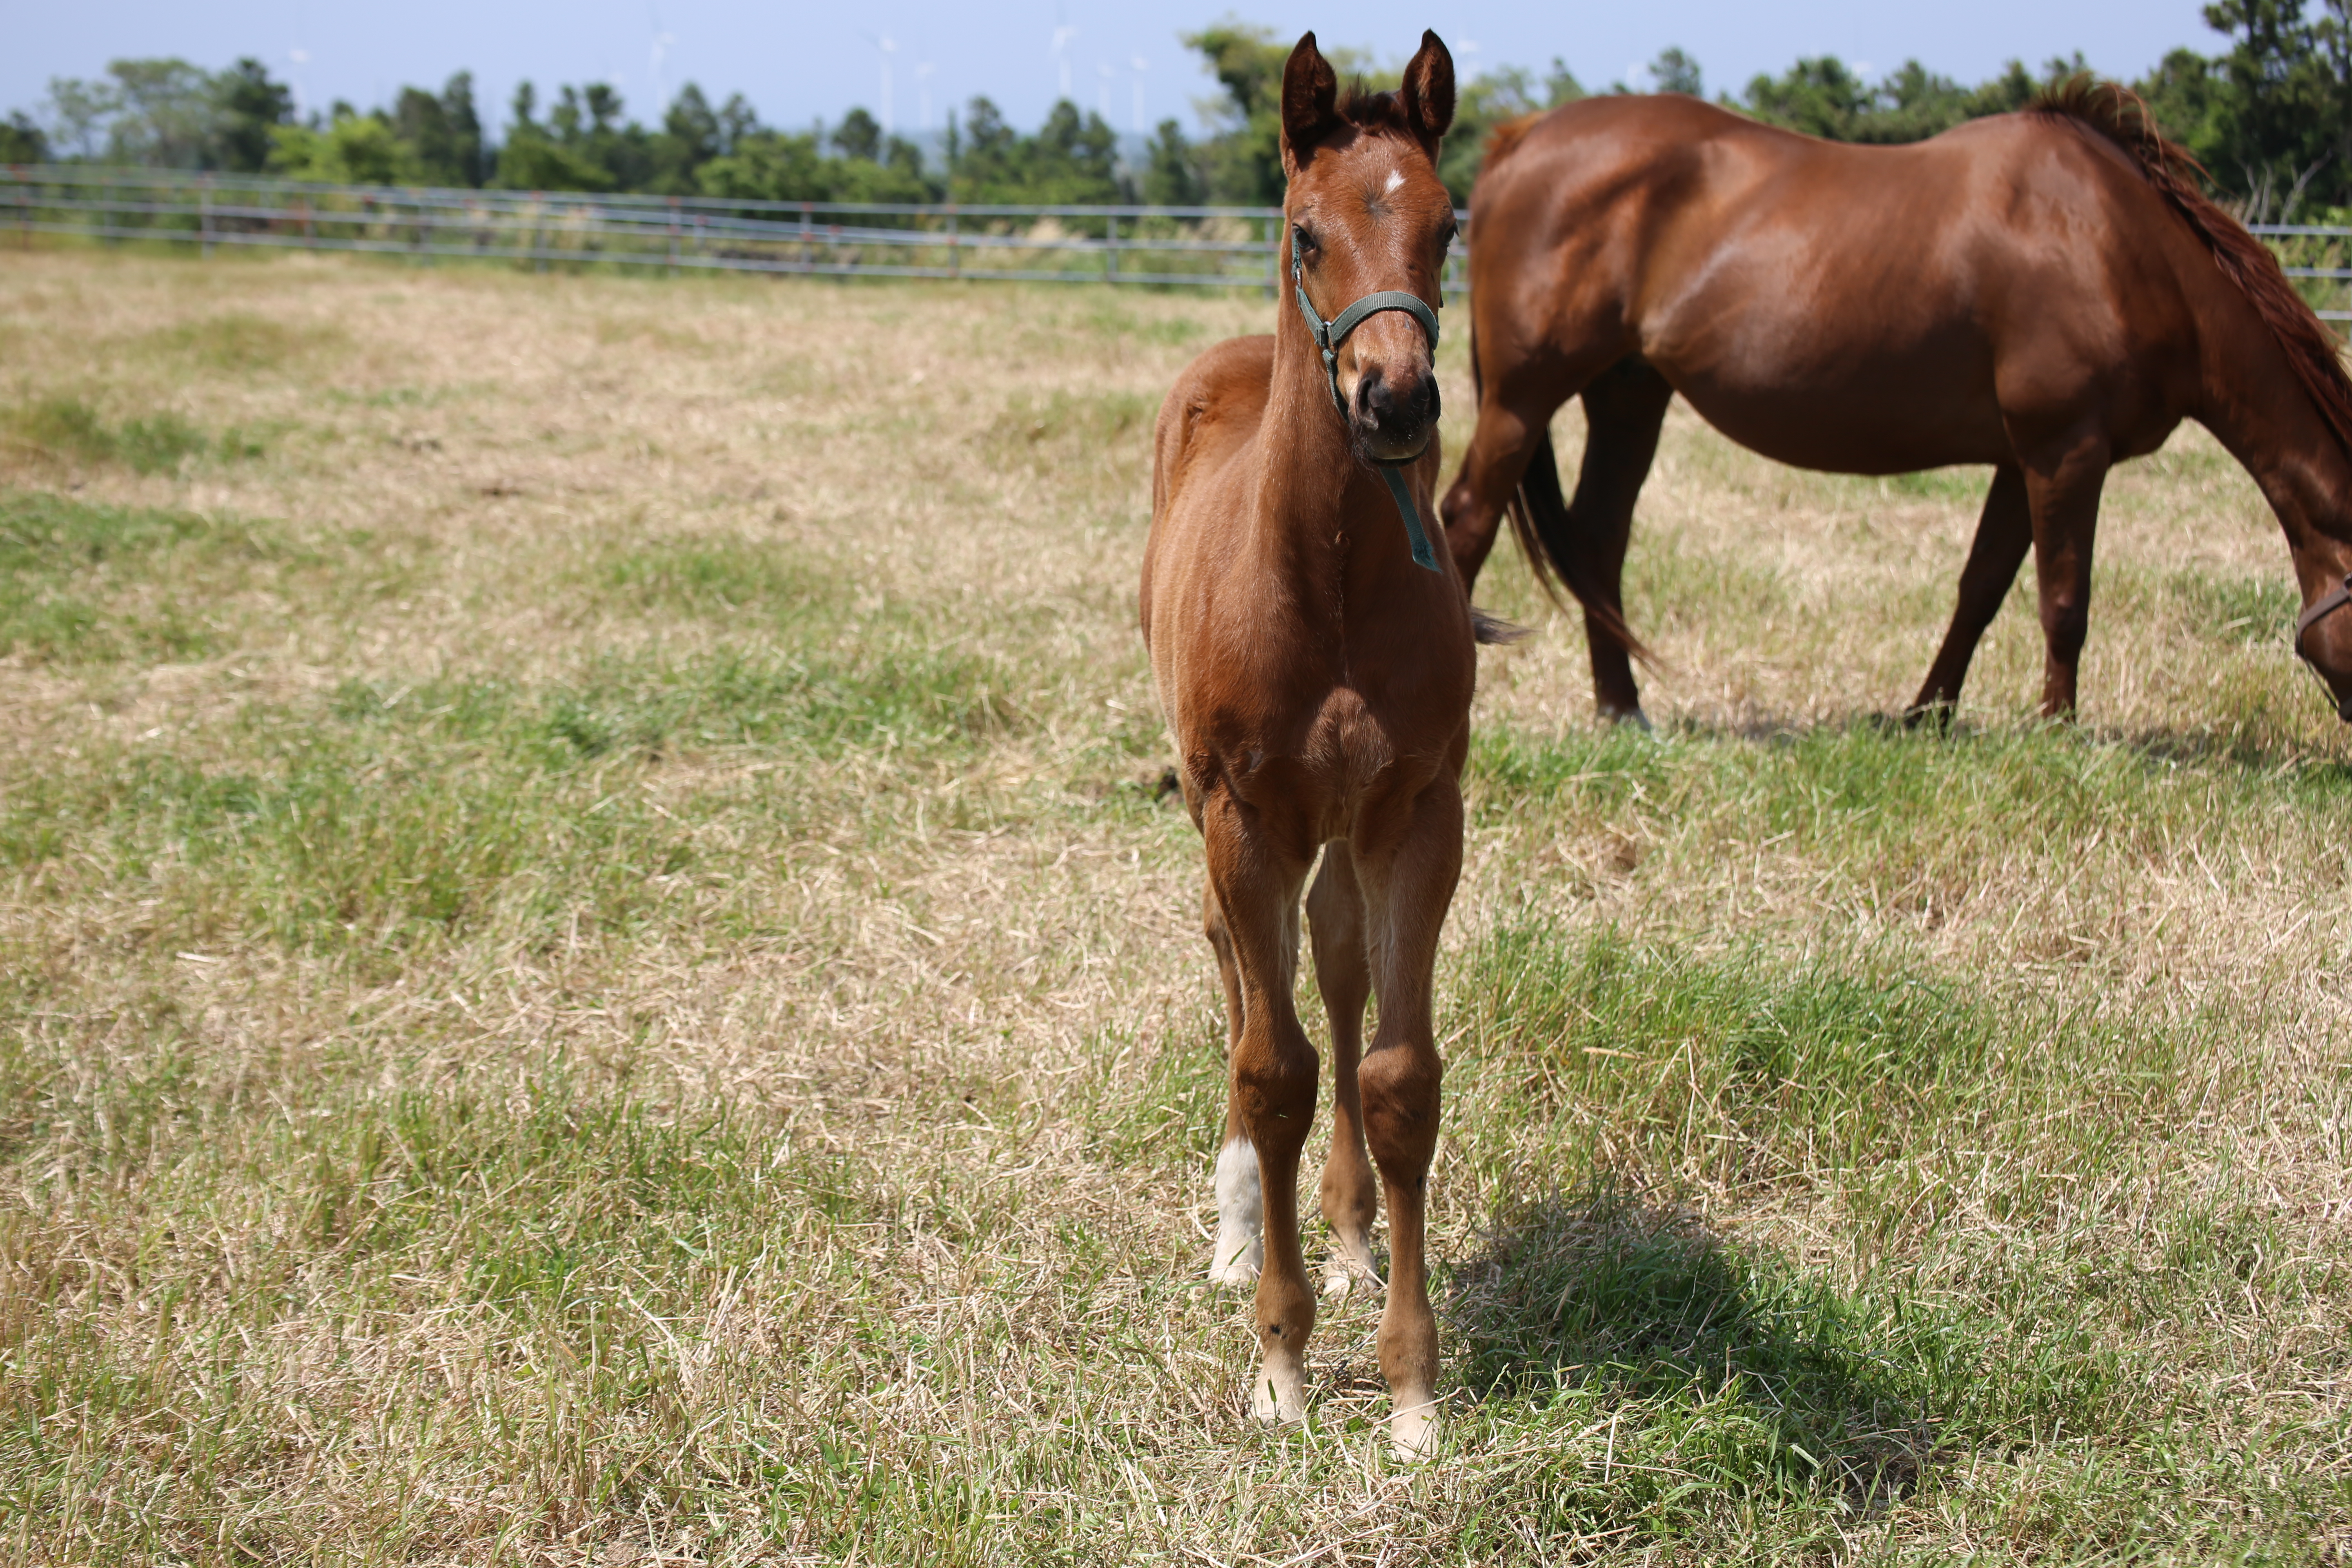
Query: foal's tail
[(1560, 551)]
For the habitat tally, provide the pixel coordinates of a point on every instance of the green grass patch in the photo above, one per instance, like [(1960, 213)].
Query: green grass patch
[(1943, 484), (2236, 609), (722, 576), (406, 817), (1064, 426), (68, 429), (72, 573), (241, 341)]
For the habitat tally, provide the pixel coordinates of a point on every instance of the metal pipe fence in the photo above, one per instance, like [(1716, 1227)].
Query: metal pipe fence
[(1214, 246)]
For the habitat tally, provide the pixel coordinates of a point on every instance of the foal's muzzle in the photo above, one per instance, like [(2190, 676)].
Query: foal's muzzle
[(1393, 420)]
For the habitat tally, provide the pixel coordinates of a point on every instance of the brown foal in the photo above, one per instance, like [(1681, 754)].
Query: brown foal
[(1317, 682), (2045, 292)]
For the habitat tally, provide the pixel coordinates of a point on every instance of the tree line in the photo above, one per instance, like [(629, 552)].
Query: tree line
[(2270, 117)]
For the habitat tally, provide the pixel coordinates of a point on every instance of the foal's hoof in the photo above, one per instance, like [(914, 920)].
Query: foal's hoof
[(1344, 1277), (1412, 1431), (1279, 1391), (1237, 1263)]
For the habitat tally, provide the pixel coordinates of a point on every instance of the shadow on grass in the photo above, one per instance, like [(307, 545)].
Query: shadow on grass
[(1715, 1369), (2250, 744)]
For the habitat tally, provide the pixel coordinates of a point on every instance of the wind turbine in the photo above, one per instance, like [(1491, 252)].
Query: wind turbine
[(887, 45), (923, 90), (1104, 72), (662, 41), (1061, 36), (1140, 64)]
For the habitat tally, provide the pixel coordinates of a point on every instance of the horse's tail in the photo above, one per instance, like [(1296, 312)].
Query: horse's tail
[(1561, 553), (2119, 114), (1550, 544)]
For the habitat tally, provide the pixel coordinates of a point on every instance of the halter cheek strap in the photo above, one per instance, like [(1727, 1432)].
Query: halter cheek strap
[(2326, 604), (1328, 335)]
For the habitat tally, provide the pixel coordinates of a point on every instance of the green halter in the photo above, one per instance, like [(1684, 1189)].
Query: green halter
[(1328, 335)]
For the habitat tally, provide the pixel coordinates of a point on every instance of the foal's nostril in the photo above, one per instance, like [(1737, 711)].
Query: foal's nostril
[(1379, 407)]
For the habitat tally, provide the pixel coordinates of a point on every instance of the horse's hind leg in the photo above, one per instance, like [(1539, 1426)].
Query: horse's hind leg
[(1624, 410), (1335, 924), (1239, 1249), (2004, 534)]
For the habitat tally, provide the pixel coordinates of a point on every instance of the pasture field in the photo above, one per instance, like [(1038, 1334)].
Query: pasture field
[(595, 970)]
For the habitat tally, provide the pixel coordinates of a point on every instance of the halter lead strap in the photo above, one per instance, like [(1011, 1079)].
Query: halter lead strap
[(1328, 335)]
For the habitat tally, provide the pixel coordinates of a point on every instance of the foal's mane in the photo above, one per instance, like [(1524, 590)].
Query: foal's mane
[(1369, 110), (2121, 116)]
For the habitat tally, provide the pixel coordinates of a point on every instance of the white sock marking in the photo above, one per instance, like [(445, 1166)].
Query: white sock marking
[(1241, 1209)]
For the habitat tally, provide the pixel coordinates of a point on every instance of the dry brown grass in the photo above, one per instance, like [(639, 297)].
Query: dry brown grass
[(725, 1069)]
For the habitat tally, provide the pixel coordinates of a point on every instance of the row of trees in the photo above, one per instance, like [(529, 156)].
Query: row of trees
[(2270, 118)]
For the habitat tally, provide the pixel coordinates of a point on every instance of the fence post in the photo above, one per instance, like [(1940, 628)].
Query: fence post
[(205, 214), (955, 251), (23, 208), (1110, 247), (672, 236), (808, 245)]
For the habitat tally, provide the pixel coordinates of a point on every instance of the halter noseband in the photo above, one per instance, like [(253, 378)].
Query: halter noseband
[(1328, 335), (2326, 604)]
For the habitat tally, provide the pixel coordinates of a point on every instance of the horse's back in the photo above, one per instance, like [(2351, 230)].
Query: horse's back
[(1208, 417), (1911, 296)]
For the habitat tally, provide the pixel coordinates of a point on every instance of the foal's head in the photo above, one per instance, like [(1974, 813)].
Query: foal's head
[(1366, 215)]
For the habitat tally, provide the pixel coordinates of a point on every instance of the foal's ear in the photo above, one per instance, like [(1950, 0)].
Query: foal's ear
[(1310, 95), (1428, 91)]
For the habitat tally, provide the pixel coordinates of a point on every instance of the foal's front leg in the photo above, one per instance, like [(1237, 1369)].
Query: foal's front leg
[(1408, 883), (1275, 1074), (1239, 1251), (1335, 920)]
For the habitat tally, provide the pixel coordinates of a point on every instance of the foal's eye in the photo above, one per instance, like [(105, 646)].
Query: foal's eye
[(1301, 242), (1446, 239)]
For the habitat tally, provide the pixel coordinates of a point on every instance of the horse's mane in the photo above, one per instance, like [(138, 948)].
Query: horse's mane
[(2121, 116)]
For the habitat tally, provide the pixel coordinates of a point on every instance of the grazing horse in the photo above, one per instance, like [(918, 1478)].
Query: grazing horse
[(1316, 678), (2047, 292)]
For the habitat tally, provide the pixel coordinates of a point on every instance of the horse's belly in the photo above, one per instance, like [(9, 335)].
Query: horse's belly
[(1864, 413)]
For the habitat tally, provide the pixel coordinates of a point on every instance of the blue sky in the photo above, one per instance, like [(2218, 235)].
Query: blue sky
[(798, 63)]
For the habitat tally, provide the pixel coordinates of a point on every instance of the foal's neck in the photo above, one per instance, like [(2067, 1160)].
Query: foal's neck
[(1307, 460)]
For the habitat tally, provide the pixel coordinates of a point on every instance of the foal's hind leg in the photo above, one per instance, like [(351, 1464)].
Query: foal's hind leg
[(2004, 534), (1335, 922), (1239, 1249)]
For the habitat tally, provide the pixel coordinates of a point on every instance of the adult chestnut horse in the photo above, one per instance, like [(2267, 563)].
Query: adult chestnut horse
[(2046, 292), (1316, 680)]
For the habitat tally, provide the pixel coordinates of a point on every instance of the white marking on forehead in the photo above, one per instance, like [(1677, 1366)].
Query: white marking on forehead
[(1396, 178)]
